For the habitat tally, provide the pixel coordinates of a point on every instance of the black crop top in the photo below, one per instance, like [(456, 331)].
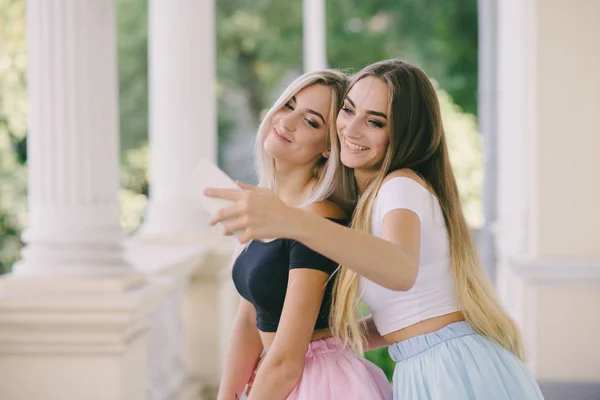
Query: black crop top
[(261, 271)]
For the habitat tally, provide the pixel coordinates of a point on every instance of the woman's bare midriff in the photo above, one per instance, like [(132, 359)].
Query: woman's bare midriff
[(423, 327), (420, 328), (267, 338)]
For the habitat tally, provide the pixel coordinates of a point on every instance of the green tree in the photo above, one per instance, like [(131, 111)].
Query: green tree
[(258, 42), (132, 37), (440, 36)]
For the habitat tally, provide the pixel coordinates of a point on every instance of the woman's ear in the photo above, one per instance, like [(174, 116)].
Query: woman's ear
[(326, 154)]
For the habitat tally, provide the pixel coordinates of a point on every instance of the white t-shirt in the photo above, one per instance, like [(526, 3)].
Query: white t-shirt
[(433, 293)]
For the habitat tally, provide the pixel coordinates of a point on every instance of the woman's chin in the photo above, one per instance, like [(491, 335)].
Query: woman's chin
[(351, 162), (273, 150)]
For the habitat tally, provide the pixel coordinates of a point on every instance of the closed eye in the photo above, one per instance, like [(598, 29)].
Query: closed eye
[(311, 123), (376, 124)]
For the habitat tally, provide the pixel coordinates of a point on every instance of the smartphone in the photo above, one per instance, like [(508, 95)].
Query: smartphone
[(206, 174)]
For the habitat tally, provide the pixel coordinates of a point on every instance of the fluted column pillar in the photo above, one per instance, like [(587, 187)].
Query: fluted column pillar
[(73, 150), (74, 314), (183, 116), (314, 30)]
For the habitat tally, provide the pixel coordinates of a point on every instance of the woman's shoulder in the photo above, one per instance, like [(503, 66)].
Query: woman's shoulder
[(408, 174), (328, 209)]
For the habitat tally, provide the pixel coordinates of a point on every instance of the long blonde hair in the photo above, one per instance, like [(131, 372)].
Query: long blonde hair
[(325, 172), (417, 142)]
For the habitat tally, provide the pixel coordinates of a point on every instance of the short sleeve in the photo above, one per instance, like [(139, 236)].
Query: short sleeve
[(302, 256), (404, 193)]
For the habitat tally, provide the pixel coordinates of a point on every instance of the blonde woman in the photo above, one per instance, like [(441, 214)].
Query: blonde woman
[(285, 286), (409, 255)]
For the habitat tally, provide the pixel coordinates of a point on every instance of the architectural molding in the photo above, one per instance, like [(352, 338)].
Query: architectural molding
[(556, 270), (71, 320)]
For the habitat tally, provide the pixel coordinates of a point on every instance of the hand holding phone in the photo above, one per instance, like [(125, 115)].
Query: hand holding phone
[(205, 175)]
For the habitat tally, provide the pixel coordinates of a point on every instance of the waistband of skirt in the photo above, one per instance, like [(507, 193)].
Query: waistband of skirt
[(418, 344), (326, 345)]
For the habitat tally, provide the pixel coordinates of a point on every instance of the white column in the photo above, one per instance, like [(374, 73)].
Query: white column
[(488, 47), (314, 35), (183, 127), (80, 331), (73, 151)]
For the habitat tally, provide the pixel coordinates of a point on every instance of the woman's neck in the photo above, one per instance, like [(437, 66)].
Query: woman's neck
[(293, 184), (363, 178)]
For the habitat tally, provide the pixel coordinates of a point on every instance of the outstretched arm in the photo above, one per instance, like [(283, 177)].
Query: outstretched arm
[(390, 261)]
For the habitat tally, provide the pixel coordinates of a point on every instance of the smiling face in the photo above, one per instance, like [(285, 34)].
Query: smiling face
[(298, 133), (363, 126)]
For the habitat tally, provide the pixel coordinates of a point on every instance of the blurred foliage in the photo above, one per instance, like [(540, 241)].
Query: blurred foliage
[(259, 47), (466, 157), (13, 125), (132, 36), (133, 195), (260, 41)]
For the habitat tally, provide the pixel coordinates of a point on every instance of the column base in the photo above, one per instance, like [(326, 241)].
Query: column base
[(75, 339), (74, 258)]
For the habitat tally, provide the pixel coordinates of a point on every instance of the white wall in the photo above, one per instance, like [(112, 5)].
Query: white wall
[(549, 181)]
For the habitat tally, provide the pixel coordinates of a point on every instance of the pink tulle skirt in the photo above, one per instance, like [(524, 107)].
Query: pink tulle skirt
[(333, 372)]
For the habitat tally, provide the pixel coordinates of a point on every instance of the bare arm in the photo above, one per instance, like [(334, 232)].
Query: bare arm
[(373, 338), (243, 353), (284, 363), (391, 261)]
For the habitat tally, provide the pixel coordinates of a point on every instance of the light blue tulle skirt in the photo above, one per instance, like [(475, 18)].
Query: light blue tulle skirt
[(455, 363)]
